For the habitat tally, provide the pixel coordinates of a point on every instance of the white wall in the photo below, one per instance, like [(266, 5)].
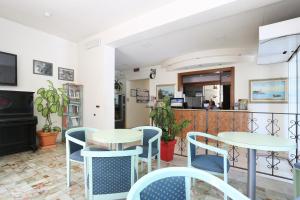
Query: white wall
[(31, 44), (244, 72), (248, 71), (136, 113), (97, 73)]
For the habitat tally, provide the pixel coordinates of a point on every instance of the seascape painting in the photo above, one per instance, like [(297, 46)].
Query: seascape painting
[(268, 90)]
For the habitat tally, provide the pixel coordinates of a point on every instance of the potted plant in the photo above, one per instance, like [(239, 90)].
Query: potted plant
[(163, 117), (50, 101)]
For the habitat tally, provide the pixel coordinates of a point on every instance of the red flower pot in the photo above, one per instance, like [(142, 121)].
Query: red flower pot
[(167, 150)]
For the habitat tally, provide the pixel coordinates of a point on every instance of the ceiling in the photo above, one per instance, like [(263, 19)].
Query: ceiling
[(75, 19), (238, 31)]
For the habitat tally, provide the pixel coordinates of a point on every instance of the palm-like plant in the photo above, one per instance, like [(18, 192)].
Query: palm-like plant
[(49, 101), (163, 116)]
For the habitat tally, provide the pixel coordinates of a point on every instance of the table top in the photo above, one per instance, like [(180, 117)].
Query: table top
[(115, 136), (257, 141)]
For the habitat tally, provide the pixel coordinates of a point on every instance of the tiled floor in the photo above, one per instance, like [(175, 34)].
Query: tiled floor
[(42, 175)]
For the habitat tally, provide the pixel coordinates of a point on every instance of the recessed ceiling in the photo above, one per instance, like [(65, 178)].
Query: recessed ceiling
[(238, 31), (75, 19)]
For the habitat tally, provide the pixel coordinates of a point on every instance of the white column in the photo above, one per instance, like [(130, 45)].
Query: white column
[(97, 73)]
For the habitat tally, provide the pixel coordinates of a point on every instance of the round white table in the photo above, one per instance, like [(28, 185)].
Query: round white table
[(115, 136), (253, 142)]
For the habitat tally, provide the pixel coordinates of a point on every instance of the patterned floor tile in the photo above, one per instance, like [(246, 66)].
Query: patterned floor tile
[(42, 175)]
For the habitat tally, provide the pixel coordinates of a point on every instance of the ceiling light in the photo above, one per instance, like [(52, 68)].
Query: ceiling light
[(47, 14)]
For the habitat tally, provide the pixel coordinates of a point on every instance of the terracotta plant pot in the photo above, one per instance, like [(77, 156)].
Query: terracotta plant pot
[(47, 139), (167, 150)]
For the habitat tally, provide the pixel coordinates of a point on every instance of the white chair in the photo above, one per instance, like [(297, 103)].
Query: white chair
[(150, 144), (214, 164), (75, 141), (110, 174), (174, 183)]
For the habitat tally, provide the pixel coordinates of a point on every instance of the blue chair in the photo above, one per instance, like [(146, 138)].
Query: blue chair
[(150, 145), (110, 174), (174, 183), (214, 164), (75, 141)]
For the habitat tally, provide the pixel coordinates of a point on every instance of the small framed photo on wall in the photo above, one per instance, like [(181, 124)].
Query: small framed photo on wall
[(133, 92), (65, 74), (42, 68)]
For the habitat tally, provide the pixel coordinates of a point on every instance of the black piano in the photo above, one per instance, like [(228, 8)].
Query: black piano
[(17, 122)]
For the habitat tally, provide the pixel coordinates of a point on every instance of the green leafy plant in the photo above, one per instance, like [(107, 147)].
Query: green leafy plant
[(50, 101), (163, 117)]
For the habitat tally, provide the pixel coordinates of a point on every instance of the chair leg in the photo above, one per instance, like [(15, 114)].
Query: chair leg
[(226, 181), (142, 165), (137, 170), (68, 173), (193, 182), (158, 161), (85, 179), (149, 161)]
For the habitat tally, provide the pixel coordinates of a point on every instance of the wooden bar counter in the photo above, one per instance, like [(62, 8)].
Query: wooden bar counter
[(213, 121)]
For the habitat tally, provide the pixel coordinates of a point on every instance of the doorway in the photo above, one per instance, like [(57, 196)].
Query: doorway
[(215, 86), (137, 112)]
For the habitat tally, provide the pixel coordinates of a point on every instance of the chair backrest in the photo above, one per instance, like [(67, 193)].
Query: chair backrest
[(148, 133), (155, 184), (193, 143), (110, 173), (192, 146), (75, 137)]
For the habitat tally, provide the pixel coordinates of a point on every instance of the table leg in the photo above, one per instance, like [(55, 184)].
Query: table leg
[(120, 147), (252, 174)]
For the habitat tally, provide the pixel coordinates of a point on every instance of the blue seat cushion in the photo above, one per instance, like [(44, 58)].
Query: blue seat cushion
[(79, 135), (111, 174), (297, 165), (77, 154), (147, 135), (145, 150), (110, 190), (164, 189), (212, 163)]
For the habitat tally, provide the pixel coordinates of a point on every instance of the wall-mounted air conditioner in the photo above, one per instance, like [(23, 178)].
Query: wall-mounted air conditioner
[(278, 42)]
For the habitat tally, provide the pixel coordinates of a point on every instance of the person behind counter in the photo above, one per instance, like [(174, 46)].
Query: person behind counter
[(213, 105), (210, 104)]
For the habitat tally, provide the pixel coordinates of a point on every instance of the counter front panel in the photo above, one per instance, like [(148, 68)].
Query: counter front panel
[(212, 121)]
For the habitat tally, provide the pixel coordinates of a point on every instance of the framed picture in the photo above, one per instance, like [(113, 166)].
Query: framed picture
[(268, 90), (142, 96), (42, 68), (164, 90), (133, 92), (65, 74)]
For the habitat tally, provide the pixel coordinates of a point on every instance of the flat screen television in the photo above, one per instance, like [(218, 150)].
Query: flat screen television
[(8, 69)]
